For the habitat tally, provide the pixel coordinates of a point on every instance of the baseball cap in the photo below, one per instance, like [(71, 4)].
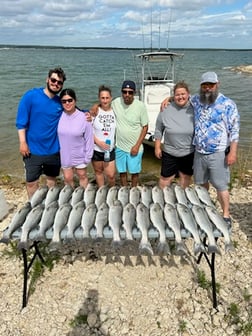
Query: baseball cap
[(209, 77), (128, 84)]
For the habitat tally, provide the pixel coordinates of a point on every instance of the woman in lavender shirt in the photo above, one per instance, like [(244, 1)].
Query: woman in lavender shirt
[(76, 140)]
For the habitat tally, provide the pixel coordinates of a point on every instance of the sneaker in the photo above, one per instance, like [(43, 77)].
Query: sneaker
[(228, 222)]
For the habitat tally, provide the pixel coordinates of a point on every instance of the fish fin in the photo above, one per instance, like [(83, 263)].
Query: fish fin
[(145, 248), (213, 249)]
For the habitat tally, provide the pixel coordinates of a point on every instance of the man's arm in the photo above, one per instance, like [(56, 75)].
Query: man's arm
[(232, 155), (23, 146), (135, 148)]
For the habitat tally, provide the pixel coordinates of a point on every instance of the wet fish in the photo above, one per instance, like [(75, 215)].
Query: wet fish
[(47, 220), (74, 220), (146, 196), (192, 196), (203, 195), (134, 196), (157, 218), (169, 195), (123, 195), (172, 219), (111, 195), (88, 219), (31, 221), (101, 219), (129, 219), (189, 223), (143, 223), (206, 226), (16, 222), (77, 195), (158, 196), (180, 195), (39, 196), (65, 194), (60, 221), (89, 194), (52, 195), (101, 195), (115, 221), (221, 225)]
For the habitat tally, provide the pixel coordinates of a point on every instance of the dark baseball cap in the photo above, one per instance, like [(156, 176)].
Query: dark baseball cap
[(128, 84)]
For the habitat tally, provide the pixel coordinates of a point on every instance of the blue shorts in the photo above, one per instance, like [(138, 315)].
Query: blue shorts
[(211, 168), (125, 162), (36, 165)]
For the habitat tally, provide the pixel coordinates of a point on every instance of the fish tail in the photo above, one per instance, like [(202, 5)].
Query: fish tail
[(213, 249), (40, 237), (145, 248), (181, 249), (5, 240), (23, 245), (229, 247), (54, 246), (163, 248), (198, 248), (116, 244)]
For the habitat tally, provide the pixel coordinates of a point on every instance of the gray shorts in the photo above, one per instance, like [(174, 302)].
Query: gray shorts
[(211, 168)]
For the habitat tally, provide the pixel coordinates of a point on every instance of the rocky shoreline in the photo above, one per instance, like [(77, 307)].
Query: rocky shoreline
[(131, 295)]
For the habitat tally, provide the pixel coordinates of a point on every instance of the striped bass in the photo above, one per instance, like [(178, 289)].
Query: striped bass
[(115, 221), (47, 220), (101, 219), (172, 219), (88, 219), (89, 194), (77, 195), (52, 195), (101, 195), (111, 195), (156, 216), (221, 225), (158, 196), (60, 221), (65, 194), (189, 223), (203, 195), (134, 196), (143, 224), (39, 196), (129, 219), (74, 221), (192, 196), (180, 195), (206, 226), (123, 195), (31, 221), (146, 196), (169, 195), (16, 222)]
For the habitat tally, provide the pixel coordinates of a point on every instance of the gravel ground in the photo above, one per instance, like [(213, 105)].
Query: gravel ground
[(120, 294)]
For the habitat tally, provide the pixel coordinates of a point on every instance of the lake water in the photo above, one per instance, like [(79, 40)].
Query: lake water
[(24, 68)]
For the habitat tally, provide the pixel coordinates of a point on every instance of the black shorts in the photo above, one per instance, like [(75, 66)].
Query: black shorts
[(36, 165), (99, 156), (172, 165)]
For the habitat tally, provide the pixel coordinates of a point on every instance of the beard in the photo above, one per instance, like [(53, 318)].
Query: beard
[(52, 91), (208, 98)]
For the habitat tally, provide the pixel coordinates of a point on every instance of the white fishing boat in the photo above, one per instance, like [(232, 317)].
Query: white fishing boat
[(156, 79)]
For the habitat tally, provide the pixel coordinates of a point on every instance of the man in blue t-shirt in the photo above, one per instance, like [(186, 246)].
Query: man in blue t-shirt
[(37, 119)]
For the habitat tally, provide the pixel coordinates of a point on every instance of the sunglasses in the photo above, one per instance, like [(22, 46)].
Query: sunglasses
[(129, 92), (64, 101), (54, 81)]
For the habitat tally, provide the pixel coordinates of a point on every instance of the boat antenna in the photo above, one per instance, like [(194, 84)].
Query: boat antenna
[(169, 30), (143, 35), (151, 31), (159, 29)]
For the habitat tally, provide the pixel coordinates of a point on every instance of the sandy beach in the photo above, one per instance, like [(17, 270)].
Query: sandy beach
[(131, 295)]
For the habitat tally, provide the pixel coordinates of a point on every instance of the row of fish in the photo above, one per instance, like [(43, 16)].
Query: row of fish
[(127, 210)]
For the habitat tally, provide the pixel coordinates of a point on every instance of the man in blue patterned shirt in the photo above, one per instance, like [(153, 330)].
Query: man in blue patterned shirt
[(217, 124)]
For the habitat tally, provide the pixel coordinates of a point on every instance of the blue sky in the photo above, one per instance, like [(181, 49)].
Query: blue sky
[(126, 23)]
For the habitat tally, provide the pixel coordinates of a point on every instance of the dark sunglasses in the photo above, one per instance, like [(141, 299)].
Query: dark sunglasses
[(64, 101), (54, 80), (129, 92)]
